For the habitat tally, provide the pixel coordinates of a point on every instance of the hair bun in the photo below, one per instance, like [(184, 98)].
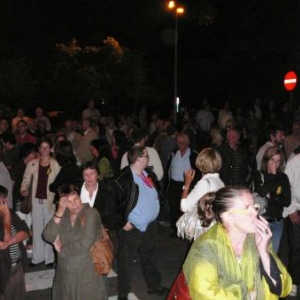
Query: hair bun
[(205, 209)]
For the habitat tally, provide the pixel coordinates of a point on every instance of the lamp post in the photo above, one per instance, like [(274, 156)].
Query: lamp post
[(178, 10)]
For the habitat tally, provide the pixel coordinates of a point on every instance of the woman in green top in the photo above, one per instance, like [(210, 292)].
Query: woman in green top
[(73, 230), (101, 153), (234, 259)]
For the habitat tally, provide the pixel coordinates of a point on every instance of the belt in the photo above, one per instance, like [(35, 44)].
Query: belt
[(271, 220), (16, 263)]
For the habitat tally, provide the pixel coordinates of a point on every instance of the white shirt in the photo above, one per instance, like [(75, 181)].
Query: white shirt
[(208, 183), (85, 195), (292, 170), (179, 164)]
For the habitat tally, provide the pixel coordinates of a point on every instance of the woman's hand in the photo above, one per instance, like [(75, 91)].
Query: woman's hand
[(188, 177), (24, 193), (62, 205), (128, 227), (57, 244), (263, 234), (295, 217)]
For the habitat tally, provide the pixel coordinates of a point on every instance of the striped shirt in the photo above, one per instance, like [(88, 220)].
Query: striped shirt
[(14, 250)]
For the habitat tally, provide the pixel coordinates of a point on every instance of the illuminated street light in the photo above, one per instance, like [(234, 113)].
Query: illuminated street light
[(178, 10)]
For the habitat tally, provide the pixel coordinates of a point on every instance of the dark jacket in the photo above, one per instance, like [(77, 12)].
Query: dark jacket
[(278, 187), (235, 165), (124, 193), (5, 260), (68, 174)]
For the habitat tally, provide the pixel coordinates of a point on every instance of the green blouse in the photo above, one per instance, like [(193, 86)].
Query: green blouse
[(213, 271)]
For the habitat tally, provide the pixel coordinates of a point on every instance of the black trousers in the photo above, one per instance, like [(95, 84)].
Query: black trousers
[(293, 236), (131, 243), (174, 198)]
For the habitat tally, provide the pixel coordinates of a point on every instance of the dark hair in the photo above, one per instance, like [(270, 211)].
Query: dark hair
[(91, 165), (119, 136), (21, 122), (212, 205), (3, 191), (27, 148), (134, 152), (273, 130), (102, 147), (8, 137), (137, 135), (64, 152), (47, 140), (67, 189)]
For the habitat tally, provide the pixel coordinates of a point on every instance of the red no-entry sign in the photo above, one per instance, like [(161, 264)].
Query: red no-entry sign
[(290, 80)]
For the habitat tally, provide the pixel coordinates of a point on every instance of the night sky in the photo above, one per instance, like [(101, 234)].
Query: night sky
[(243, 54)]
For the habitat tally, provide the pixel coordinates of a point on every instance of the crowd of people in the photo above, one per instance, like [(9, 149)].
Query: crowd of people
[(126, 174)]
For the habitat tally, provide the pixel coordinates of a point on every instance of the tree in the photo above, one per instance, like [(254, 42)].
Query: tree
[(17, 85), (108, 72)]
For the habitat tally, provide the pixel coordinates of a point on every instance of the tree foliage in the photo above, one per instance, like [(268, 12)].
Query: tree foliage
[(17, 84), (107, 71)]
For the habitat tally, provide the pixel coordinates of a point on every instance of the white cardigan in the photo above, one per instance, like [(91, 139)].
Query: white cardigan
[(32, 169), (201, 188)]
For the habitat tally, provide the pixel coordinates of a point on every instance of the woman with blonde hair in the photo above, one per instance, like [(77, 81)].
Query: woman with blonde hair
[(209, 162)]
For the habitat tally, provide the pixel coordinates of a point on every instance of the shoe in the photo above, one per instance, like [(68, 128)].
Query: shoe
[(162, 291), (32, 265)]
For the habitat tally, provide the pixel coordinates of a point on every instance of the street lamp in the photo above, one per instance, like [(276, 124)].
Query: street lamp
[(178, 10)]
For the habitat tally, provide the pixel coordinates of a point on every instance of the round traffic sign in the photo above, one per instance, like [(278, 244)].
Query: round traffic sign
[(290, 80)]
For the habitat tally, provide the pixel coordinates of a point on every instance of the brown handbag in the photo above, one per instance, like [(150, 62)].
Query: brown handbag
[(103, 253), (26, 204)]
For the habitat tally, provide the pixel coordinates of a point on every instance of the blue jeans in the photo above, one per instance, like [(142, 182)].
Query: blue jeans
[(276, 229)]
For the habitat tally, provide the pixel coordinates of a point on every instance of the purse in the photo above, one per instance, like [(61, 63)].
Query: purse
[(260, 203), (189, 225), (26, 204), (179, 289), (103, 253)]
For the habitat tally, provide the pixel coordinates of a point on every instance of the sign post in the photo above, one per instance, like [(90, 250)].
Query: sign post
[(290, 82)]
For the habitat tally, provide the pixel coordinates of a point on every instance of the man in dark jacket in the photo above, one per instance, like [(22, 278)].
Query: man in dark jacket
[(132, 209), (12, 252)]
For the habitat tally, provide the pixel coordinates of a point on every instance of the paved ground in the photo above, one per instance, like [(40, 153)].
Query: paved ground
[(170, 255)]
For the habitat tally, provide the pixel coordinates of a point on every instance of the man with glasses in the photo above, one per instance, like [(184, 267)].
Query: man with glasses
[(133, 208)]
